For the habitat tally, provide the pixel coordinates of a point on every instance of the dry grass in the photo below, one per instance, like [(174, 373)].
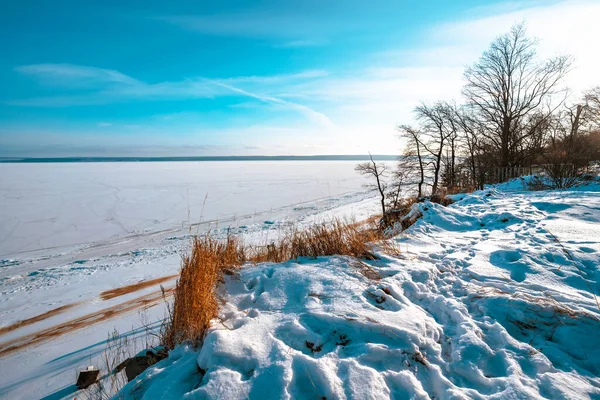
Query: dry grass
[(118, 349), (399, 215), (195, 302), (324, 239)]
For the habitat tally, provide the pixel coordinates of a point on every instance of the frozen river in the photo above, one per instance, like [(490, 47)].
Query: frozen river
[(48, 206), (71, 231)]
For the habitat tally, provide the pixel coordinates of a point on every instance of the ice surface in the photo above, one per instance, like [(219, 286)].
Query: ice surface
[(72, 231), (45, 206)]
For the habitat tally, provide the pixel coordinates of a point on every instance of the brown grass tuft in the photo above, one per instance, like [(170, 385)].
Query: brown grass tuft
[(195, 302), (323, 239)]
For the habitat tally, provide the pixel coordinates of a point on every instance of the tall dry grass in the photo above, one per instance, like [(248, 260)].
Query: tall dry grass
[(321, 239), (195, 302)]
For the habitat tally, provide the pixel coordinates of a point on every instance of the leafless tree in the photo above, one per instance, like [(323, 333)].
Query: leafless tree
[(377, 171), (412, 158), (592, 96), (438, 128), (470, 131), (569, 144), (399, 183), (592, 102), (507, 85), (449, 111)]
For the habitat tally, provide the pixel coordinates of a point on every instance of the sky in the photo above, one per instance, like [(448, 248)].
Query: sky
[(182, 78)]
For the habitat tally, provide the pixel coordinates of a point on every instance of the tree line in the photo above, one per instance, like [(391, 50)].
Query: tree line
[(515, 117)]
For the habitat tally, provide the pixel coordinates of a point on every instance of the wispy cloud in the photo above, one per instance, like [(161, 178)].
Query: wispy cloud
[(102, 86), (300, 29), (282, 78), (83, 85), (75, 75), (109, 86), (315, 116), (292, 44)]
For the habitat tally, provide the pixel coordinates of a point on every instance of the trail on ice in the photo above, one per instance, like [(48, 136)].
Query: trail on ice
[(492, 297)]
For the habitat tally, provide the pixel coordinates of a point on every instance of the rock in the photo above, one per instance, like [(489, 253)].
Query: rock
[(87, 377), (136, 365)]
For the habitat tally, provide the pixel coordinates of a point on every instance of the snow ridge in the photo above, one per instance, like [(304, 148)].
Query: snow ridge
[(493, 297)]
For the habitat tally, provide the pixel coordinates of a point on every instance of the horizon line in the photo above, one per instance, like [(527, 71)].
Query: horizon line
[(83, 159)]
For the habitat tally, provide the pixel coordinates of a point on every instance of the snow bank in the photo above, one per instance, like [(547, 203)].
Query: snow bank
[(493, 298)]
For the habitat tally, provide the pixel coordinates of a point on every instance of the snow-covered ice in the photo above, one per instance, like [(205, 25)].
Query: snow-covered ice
[(72, 231), (492, 297), (46, 207)]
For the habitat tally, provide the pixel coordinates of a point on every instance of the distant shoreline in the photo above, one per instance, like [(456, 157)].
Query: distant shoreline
[(355, 157)]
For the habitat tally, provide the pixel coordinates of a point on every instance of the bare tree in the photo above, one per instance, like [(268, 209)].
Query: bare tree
[(437, 128), (592, 102), (377, 171), (413, 157), (507, 85), (470, 130), (398, 184), (568, 149), (450, 168), (593, 98)]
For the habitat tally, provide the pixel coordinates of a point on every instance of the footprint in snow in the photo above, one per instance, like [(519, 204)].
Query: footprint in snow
[(269, 272), (252, 284), (510, 261)]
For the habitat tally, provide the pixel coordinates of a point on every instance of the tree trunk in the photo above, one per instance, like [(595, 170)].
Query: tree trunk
[(421, 171), (504, 156), (436, 176)]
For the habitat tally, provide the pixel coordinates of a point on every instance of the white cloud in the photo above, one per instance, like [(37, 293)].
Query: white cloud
[(84, 85), (384, 93), (565, 27), (112, 86), (274, 79)]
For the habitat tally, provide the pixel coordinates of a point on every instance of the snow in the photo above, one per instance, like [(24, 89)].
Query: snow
[(49, 206), (492, 297), (72, 231)]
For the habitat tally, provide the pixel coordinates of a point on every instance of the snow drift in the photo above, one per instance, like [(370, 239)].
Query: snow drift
[(493, 297)]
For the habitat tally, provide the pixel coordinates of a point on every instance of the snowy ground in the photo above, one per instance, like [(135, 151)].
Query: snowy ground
[(70, 232), (492, 297)]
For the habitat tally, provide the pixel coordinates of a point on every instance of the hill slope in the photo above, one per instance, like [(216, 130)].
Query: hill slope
[(491, 298)]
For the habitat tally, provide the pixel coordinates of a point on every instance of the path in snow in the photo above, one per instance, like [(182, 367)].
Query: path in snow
[(491, 298)]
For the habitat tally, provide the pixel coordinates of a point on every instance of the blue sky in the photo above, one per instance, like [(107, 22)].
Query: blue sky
[(241, 77)]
